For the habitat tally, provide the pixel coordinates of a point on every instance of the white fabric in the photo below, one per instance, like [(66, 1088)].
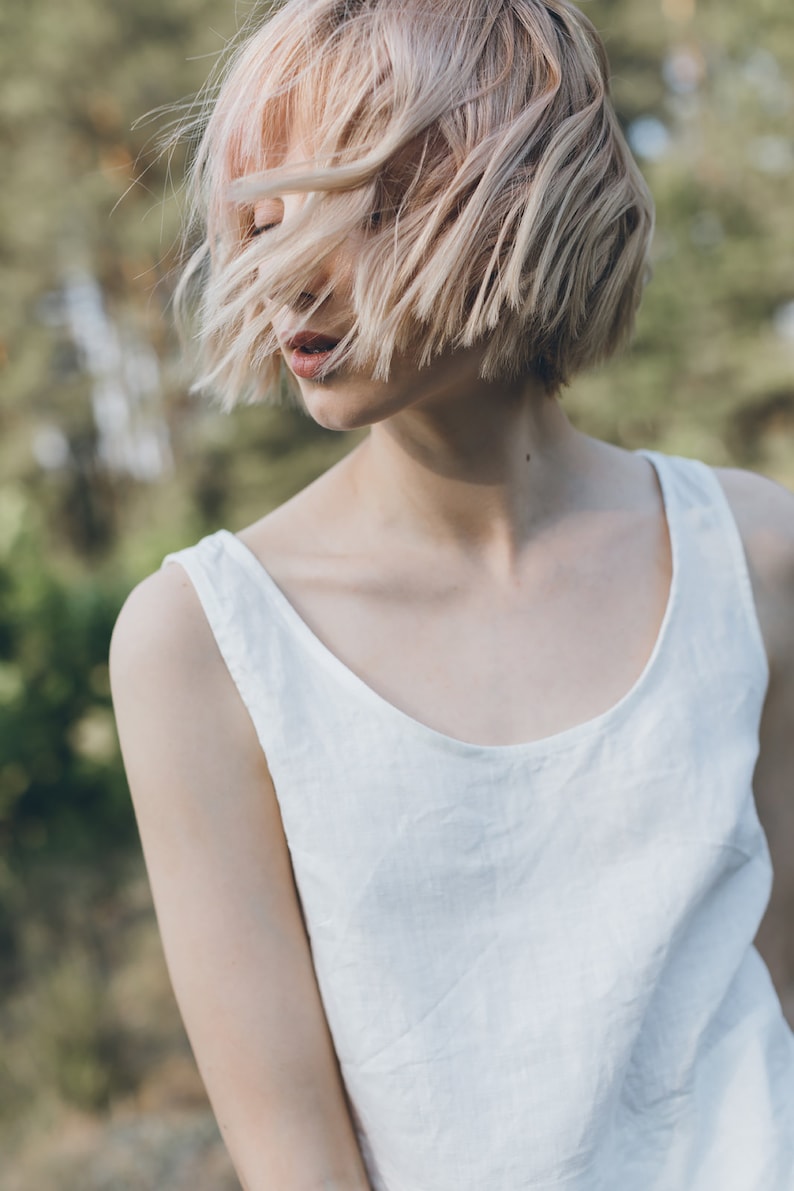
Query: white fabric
[(536, 960)]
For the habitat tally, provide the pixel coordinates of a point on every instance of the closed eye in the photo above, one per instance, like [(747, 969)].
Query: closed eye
[(266, 216)]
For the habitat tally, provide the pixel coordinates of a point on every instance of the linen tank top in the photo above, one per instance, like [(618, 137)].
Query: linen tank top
[(536, 960)]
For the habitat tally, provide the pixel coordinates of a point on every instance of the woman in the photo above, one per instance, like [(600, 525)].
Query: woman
[(443, 770)]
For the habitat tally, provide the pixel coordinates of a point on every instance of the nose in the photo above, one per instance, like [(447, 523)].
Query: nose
[(321, 282)]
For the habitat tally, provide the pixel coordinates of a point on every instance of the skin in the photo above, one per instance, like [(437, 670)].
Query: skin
[(487, 569)]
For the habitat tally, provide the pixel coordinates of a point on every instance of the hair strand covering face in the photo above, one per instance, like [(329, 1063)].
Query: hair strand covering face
[(468, 148)]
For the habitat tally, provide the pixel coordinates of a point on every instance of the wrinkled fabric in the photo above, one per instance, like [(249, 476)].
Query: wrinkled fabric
[(537, 960)]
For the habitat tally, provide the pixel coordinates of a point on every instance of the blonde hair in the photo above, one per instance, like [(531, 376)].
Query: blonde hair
[(471, 148)]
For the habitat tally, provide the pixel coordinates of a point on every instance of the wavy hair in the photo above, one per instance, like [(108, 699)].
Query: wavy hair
[(471, 150)]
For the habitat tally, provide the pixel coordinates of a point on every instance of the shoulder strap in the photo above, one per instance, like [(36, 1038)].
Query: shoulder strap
[(248, 633), (710, 561), (293, 701), (211, 572)]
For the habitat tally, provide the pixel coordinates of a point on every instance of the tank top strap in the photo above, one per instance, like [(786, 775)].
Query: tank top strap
[(711, 578), (242, 607), (294, 690)]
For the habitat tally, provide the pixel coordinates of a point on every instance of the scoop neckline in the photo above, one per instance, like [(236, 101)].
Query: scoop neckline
[(565, 738)]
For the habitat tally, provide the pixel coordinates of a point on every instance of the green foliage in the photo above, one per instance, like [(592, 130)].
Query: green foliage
[(86, 958), (709, 374), (61, 785)]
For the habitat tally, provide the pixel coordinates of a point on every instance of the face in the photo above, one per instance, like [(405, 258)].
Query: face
[(344, 398)]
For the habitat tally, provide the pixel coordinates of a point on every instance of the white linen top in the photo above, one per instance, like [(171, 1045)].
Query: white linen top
[(537, 960)]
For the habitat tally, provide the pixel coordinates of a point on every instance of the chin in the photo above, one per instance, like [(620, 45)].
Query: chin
[(332, 419), (339, 406)]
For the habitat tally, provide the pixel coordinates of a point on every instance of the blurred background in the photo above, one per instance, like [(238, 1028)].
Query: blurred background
[(107, 463)]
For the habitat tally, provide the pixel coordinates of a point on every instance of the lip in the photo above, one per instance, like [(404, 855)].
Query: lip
[(308, 352)]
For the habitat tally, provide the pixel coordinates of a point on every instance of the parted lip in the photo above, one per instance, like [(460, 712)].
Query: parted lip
[(313, 339)]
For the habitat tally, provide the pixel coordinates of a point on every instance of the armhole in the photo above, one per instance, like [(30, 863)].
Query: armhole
[(741, 569)]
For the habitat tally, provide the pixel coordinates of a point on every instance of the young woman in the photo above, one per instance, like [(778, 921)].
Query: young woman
[(444, 769)]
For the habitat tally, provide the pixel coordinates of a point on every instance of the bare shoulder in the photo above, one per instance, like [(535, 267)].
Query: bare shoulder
[(176, 704), (762, 507), (764, 513), (168, 679), (161, 622)]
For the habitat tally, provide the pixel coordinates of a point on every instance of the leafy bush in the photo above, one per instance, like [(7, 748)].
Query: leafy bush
[(62, 788)]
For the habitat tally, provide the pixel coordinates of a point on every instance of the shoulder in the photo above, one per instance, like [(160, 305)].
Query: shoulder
[(161, 625), (178, 712), (764, 515), (760, 505)]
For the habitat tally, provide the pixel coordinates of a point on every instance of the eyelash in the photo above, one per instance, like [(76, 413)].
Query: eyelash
[(373, 222)]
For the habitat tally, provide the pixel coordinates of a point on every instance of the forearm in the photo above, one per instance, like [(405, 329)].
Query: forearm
[(326, 1185), (354, 1182), (293, 1151), (307, 1144)]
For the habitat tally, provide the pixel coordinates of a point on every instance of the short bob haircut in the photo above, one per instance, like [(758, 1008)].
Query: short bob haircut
[(471, 150)]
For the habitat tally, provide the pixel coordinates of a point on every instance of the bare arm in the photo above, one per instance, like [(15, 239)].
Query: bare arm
[(765, 516), (228, 913)]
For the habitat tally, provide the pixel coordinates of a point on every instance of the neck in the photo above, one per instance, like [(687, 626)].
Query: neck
[(481, 471)]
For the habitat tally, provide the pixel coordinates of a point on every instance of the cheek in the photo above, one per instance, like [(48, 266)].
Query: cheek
[(338, 270)]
